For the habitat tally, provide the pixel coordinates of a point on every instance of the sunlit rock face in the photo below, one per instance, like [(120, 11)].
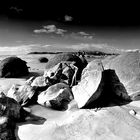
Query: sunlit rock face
[(22, 93), (127, 68), (90, 80), (99, 87), (56, 96)]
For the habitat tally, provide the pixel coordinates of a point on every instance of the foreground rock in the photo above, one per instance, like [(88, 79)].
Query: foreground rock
[(99, 87), (13, 67), (23, 94), (12, 113), (56, 96), (90, 80)]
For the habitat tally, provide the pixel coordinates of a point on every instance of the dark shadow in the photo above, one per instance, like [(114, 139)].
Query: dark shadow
[(35, 74), (110, 90), (28, 118)]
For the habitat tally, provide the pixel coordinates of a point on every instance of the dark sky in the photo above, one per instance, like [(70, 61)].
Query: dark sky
[(112, 23), (94, 13)]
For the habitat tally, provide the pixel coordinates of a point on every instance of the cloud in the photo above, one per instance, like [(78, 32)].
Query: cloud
[(50, 29), (68, 18), (83, 33), (18, 10)]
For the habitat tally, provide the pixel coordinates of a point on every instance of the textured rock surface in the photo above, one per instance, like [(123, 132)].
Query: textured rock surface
[(57, 96), (127, 68), (90, 80), (67, 57), (99, 87), (9, 114), (22, 93), (13, 67)]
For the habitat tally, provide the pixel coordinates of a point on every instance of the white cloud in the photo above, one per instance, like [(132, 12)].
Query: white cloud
[(18, 10), (68, 18), (50, 29), (83, 33)]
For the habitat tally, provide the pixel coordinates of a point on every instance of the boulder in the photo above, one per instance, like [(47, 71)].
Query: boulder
[(90, 80), (56, 96), (127, 68), (22, 93), (13, 67), (67, 57), (43, 60), (62, 72), (99, 87)]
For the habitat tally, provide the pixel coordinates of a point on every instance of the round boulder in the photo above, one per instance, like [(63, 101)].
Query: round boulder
[(13, 67)]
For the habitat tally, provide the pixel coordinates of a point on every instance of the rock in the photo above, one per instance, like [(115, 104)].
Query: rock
[(67, 57), (90, 80), (43, 60), (22, 93), (99, 87), (12, 113), (62, 72), (57, 96), (132, 112), (13, 67), (127, 68), (39, 81)]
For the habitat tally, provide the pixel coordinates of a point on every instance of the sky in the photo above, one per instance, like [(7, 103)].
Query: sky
[(54, 25)]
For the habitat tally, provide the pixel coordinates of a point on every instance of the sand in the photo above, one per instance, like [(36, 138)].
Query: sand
[(108, 123)]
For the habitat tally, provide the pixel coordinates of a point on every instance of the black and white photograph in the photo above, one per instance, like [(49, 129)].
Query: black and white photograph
[(69, 70)]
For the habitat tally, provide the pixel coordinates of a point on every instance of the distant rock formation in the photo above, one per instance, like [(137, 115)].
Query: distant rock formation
[(71, 57), (43, 60), (13, 67)]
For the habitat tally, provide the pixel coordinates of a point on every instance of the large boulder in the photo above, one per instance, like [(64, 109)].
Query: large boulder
[(67, 57), (13, 67), (127, 68), (62, 72), (90, 80), (98, 87), (56, 96)]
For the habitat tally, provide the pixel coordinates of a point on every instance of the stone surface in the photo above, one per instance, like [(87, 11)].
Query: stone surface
[(12, 67), (57, 96)]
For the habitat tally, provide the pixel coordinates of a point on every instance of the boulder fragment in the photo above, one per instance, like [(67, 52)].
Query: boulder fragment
[(56, 96)]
